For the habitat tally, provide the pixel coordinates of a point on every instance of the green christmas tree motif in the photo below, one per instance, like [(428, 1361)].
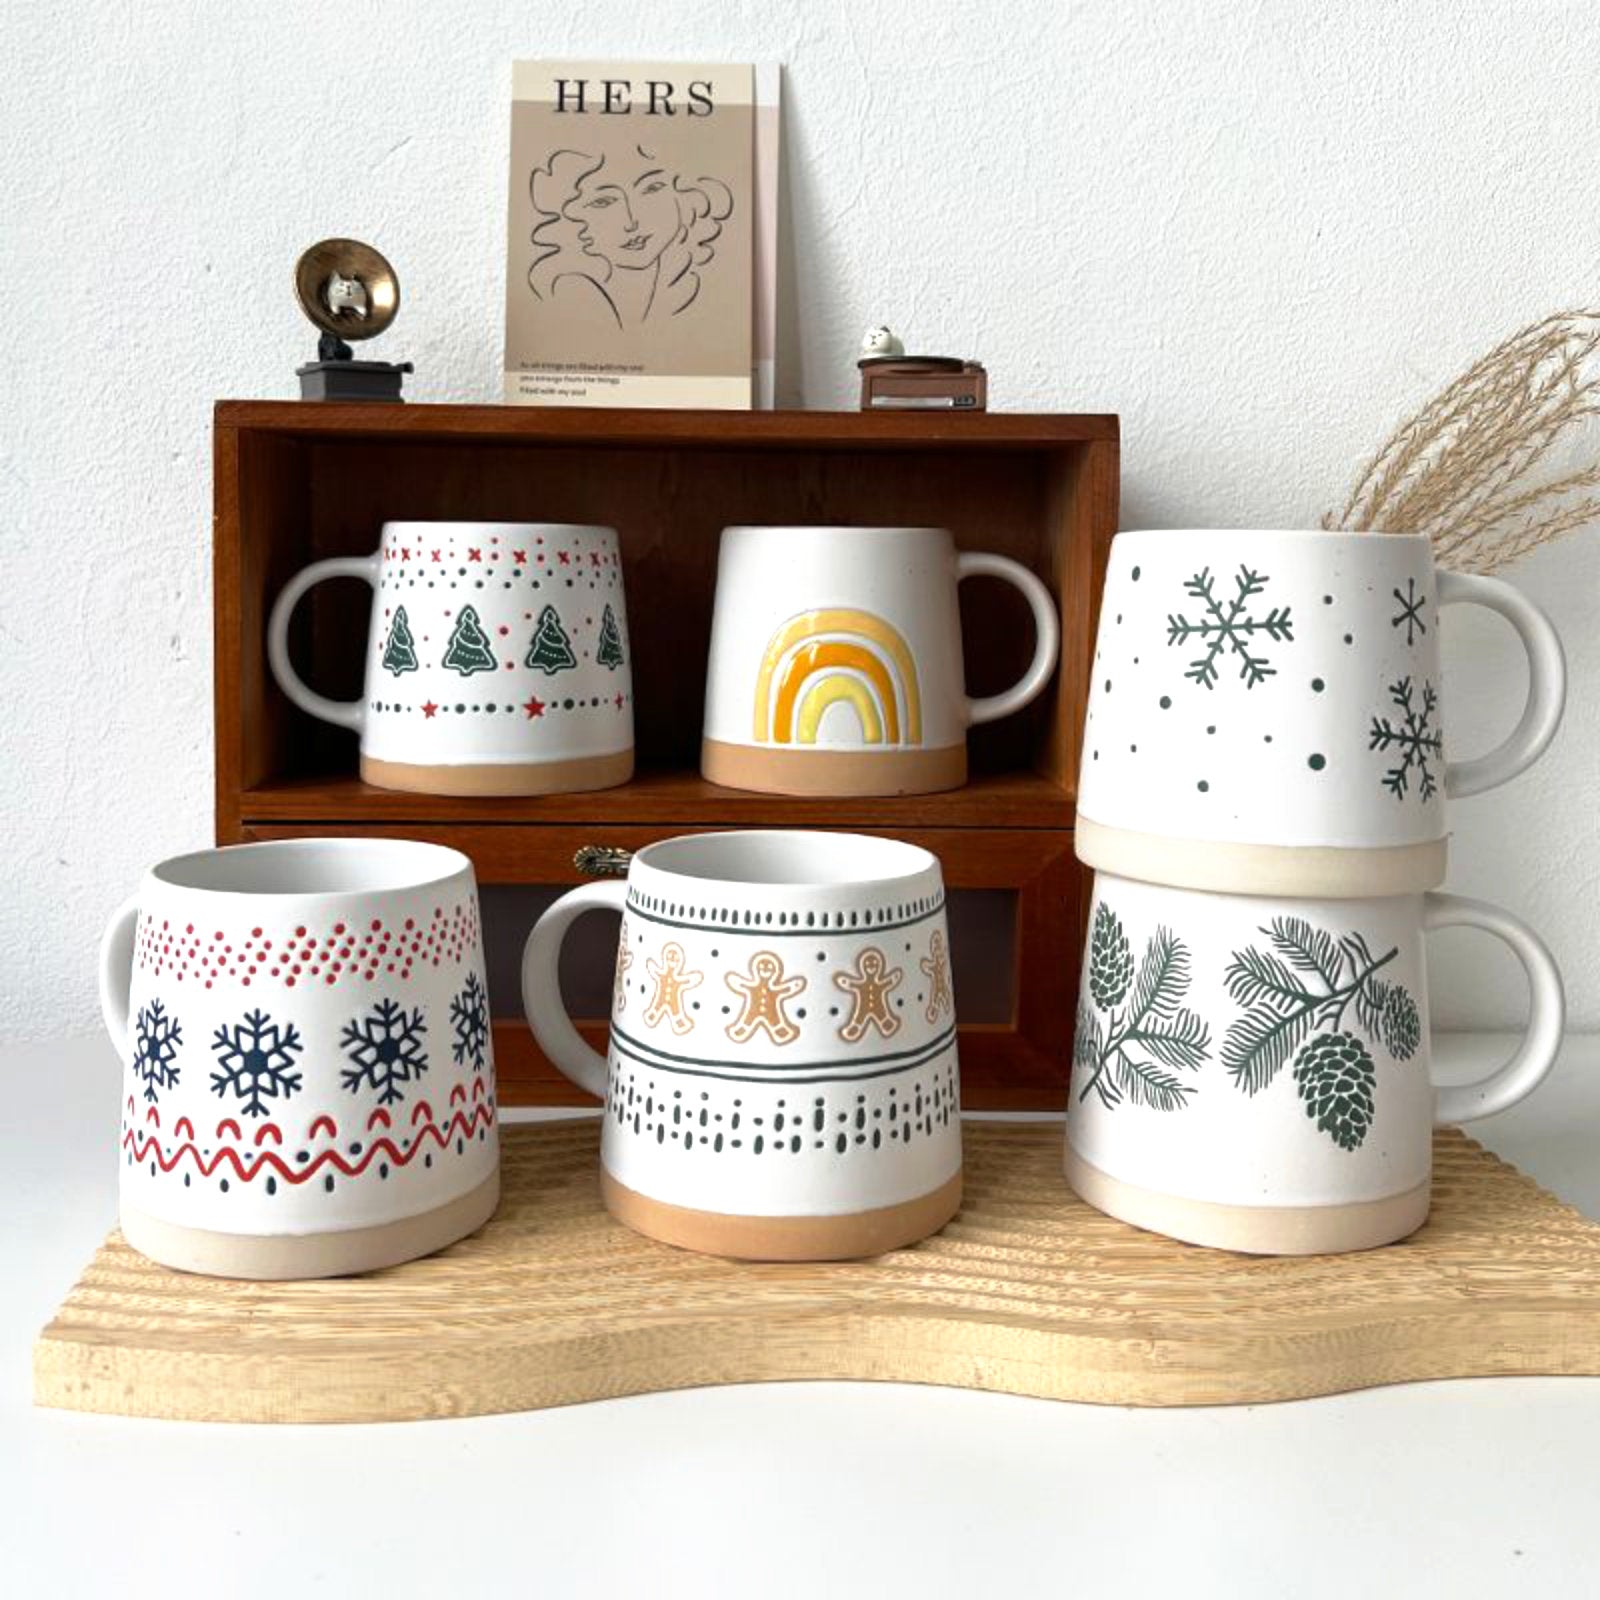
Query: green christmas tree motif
[(1309, 980), (400, 649), (550, 650), (468, 650), (1113, 1054), (609, 651)]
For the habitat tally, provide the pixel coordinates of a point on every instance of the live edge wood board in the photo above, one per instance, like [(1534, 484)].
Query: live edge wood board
[(295, 482), (1027, 1291)]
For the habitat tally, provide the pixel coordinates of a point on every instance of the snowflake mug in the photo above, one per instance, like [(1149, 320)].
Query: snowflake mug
[(308, 1074), (497, 658), (836, 665), (1256, 1073), (782, 1081), (1265, 712)]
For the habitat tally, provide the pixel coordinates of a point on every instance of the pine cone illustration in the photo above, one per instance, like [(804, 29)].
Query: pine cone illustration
[(1110, 959), (1335, 1076), (1402, 1027)]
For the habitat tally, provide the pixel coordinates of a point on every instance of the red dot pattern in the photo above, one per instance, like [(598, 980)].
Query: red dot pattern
[(298, 954)]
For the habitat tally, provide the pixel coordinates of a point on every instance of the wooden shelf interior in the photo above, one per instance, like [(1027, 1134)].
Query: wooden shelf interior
[(1020, 491)]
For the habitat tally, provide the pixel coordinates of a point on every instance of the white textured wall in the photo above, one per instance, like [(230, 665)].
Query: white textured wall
[(1260, 231)]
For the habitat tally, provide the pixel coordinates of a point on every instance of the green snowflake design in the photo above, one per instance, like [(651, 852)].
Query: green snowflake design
[(1296, 995), (1134, 1035), (1226, 625)]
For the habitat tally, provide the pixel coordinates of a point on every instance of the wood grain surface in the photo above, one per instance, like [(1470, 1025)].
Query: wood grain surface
[(1026, 1292)]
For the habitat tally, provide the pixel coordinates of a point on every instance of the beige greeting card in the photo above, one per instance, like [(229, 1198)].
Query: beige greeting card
[(630, 275)]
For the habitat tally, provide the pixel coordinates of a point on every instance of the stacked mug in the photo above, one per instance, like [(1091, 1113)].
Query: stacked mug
[(1263, 799)]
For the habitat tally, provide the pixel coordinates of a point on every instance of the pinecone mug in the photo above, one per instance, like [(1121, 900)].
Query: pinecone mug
[(1256, 1073), (1266, 711), (308, 1068), (782, 1081), (497, 658)]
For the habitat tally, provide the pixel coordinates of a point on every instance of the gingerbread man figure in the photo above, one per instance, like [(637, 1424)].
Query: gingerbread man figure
[(673, 980), (937, 970), (764, 990), (619, 989), (869, 988)]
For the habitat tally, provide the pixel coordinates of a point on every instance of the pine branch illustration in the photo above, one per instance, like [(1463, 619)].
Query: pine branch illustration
[(1148, 1085), (1253, 976), (1259, 1043), (1307, 948), (1182, 1040), (1162, 978)]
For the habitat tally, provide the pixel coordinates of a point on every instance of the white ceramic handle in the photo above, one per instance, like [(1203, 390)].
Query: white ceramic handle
[(1547, 1009), (541, 984), (1547, 683), (1047, 634), (341, 713), (116, 972)]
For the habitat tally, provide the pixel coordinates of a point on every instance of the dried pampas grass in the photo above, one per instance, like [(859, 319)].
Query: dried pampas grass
[(1473, 470)]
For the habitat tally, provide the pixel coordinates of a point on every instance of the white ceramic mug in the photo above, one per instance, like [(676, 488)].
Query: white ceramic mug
[(782, 1080), (1266, 710), (308, 1071), (497, 658), (836, 666), (1256, 1073)]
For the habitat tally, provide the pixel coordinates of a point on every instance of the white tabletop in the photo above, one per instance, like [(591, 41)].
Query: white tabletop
[(1483, 1487)]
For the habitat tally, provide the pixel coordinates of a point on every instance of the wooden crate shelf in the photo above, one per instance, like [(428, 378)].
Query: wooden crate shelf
[(991, 800), (297, 482)]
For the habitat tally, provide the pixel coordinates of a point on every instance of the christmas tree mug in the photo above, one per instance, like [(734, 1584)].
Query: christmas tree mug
[(1265, 712), (308, 1073), (1256, 1073), (497, 658), (836, 664), (782, 1080)]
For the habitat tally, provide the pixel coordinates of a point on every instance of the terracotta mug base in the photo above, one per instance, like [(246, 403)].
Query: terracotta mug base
[(310, 1255), (842, 1238), (1252, 1230), (502, 778), (770, 770), (1310, 871)]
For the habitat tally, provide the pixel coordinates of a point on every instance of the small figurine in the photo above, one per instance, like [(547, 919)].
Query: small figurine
[(878, 343), (347, 290), (893, 381)]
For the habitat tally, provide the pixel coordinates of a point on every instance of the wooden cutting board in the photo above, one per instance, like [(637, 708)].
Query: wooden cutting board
[(1027, 1292)]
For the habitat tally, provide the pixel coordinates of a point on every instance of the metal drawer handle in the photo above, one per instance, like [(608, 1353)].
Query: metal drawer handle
[(602, 860)]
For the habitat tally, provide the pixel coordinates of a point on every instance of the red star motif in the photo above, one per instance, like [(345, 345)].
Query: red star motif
[(475, 555), (534, 707), (616, 700), (405, 553), (520, 557), (429, 708), (437, 556), (563, 558), (594, 558)]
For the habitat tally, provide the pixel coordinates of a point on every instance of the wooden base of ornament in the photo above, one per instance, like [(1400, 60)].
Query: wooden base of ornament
[(844, 1238), (309, 1255), (1252, 1230), (502, 778), (1316, 872), (770, 770), (1026, 1291)]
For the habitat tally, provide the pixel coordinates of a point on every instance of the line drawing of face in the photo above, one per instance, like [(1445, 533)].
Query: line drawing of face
[(626, 229), (629, 219)]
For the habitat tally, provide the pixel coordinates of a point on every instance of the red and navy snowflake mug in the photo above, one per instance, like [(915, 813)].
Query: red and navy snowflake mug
[(782, 1079), (498, 658), (308, 1071), (1266, 711)]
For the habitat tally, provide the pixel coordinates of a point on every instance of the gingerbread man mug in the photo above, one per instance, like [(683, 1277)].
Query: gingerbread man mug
[(781, 1082)]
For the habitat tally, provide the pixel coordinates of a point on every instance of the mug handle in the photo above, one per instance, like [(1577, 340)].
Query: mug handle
[(541, 983), (1547, 683), (341, 713), (116, 972), (1541, 1040), (1047, 634)]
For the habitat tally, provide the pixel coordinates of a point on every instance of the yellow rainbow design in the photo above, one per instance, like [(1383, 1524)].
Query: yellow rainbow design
[(819, 658)]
